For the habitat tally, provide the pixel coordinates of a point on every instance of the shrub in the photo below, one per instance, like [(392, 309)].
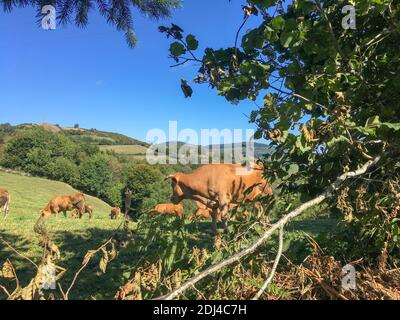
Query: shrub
[(64, 170), (96, 176), (138, 179)]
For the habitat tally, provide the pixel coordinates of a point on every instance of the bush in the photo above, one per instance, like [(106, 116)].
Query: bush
[(64, 170), (96, 176), (38, 161), (138, 179), (114, 195)]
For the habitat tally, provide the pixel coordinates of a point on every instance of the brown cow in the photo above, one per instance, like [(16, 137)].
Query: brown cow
[(88, 209), (217, 186), (64, 204), (203, 212), (115, 212), (4, 201), (168, 208)]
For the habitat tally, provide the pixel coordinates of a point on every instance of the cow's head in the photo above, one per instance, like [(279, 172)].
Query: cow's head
[(45, 213), (177, 193)]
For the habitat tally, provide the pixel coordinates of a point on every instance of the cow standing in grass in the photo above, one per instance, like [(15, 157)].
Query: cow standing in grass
[(115, 212), (64, 204), (4, 201), (89, 210), (218, 186)]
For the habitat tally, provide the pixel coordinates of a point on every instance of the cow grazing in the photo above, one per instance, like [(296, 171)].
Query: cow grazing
[(217, 186), (75, 213), (64, 204), (4, 201), (168, 208), (88, 209), (115, 212)]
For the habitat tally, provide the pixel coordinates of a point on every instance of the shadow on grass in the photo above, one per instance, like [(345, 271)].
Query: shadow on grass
[(25, 270), (147, 245), (154, 239)]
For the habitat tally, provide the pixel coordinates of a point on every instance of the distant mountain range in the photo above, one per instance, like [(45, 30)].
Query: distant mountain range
[(260, 149)]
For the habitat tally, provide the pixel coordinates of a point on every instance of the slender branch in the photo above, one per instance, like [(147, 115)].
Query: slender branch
[(17, 252), (5, 290), (299, 96), (267, 234), (275, 266), (238, 32), (185, 60), (86, 262)]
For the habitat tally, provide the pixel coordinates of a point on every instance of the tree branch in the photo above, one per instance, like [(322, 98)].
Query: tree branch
[(275, 266), (299, 96), (17, 252), (329, 191)]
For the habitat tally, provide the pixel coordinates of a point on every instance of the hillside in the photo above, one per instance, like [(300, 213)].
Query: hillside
[(91, 136), (74, 236), (94, 136)]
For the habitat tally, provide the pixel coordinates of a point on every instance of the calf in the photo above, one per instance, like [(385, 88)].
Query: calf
[(168, 208), (4, 201), (115, 212), (88, 209), (203, 212)]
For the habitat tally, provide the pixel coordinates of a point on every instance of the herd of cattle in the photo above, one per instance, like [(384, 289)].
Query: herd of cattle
[(75, 203), (215, 188)]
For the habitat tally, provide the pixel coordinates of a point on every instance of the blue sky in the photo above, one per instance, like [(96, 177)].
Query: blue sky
[(90, 76)]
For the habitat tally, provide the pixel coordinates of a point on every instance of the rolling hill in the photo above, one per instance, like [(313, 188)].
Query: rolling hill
[(73, 236), (91, 136)]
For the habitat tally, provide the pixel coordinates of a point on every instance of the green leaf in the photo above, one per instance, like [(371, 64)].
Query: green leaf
[(393, 126), (286, 39), (177, 49), (278, 23), (302, 147), (366, 131), (337, 140), (191, 42), (373, 121)]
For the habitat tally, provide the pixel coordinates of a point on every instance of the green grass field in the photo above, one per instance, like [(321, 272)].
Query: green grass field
[(74, 237), (125, 149)]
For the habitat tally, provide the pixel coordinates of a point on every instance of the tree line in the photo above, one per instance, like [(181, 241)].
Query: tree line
[(106, 175)]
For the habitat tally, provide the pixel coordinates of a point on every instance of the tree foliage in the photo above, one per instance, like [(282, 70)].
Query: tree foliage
[(326, 96), (140, 179), (116, 12)]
